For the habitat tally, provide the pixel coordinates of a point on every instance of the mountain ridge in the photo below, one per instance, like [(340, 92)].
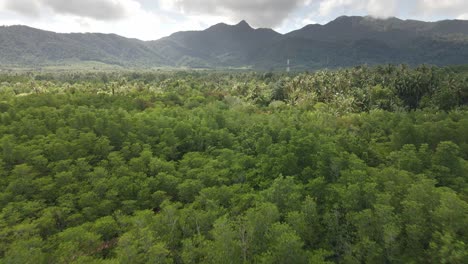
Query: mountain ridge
[(345, 41)]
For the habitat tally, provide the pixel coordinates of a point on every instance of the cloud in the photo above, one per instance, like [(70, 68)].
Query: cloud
[(23, 7), (96, 9), (443, 7), (383, 9), (386, 8), (377, 8), (328, 7), (260, 13), (463, 16)]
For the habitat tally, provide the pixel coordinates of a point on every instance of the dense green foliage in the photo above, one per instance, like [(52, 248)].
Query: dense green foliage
[(365, 165)]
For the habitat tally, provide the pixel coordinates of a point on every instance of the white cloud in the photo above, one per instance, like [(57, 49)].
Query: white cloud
[(386, 8), (260, 13), (377, 8), (463, 16), (96, 9), (99, 10), (124, 17), (330, 6), (443, 7), (308, 21), (382, 8), (23, 7)]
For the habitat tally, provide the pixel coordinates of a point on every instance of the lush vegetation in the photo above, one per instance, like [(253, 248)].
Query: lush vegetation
[(364, 165)]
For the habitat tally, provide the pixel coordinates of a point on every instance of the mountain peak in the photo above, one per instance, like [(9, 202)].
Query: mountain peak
[(243, 24), (347, 19)]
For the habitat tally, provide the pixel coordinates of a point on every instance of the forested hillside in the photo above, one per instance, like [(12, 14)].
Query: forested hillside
[(30, 47), (361, 165), (344, 42)]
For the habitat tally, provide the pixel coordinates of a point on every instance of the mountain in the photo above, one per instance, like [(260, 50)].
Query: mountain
[(25, 46), (346, 41), (220, 45), (349, 41)]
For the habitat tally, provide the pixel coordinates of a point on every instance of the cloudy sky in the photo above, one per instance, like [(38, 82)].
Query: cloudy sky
[(152, 19)]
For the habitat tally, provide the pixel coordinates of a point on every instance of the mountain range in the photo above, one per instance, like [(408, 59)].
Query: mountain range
[(346, 41)]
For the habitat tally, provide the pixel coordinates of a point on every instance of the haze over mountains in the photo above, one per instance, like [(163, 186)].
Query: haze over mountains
[(346, 41)]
